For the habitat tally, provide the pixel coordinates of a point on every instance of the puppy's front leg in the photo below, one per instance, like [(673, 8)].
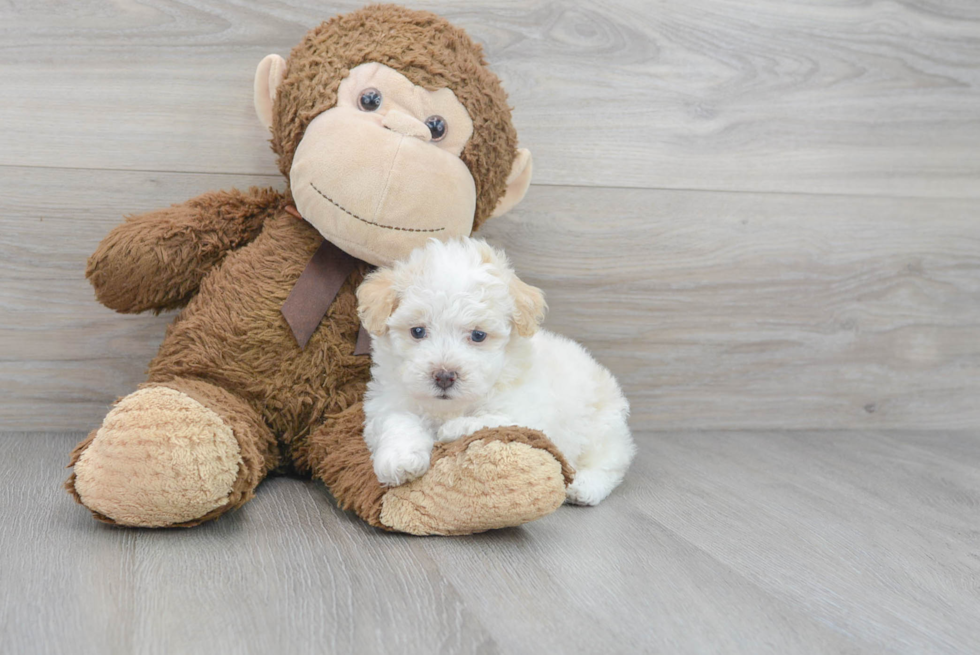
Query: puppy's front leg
[(401, 447), (463, 426)]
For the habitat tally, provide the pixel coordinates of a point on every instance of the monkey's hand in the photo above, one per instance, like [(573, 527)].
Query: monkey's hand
[(156, 261), (495, 478)]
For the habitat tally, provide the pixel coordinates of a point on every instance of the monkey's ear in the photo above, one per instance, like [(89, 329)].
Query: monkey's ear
[(268, 75), (517, 183), (377, 300), (529, 307)]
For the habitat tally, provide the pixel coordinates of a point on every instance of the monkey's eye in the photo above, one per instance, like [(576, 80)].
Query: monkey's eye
[(437, 127), (370, 100), (478, 336), (418, 332)]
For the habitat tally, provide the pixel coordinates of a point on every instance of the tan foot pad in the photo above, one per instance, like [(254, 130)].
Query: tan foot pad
[(489, 485), (160, 458)]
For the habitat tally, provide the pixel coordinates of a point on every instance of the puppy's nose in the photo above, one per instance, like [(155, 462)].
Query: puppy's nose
[(445, 379)]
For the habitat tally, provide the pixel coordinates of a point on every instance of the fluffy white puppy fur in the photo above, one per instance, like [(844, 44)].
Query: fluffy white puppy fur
[(456, 348)]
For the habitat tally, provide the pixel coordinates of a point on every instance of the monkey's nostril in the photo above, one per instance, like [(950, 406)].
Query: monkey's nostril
[(445, 379)]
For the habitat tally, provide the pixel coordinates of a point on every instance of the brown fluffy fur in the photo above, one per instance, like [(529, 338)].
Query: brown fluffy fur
[(193, 238), (344, 464), (231, 258), (431, 53)]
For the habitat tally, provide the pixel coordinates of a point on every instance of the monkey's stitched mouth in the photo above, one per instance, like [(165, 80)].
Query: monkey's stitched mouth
[(364, 220)]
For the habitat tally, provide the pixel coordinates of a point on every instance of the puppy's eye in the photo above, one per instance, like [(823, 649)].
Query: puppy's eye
[(437, 127), (418, 332), (370, 100), (478, 336)]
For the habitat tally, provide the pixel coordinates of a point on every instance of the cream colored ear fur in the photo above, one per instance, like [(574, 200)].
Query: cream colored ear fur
[(377, 299), (517, 183), (268, 75), (530, 306)]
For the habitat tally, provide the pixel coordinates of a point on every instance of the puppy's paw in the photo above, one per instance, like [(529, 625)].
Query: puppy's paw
[(396, 466), (590, 487), (457, 428), (464, 426)]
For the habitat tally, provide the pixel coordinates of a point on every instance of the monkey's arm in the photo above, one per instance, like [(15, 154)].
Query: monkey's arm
[(494, 478), (156, 261)]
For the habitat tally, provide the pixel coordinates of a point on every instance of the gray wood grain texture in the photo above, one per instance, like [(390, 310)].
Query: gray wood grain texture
[(716, 310), (864, 98), (736, 542)]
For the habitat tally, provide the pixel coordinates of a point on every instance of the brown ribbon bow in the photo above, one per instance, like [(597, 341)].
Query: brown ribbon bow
[(316, 290)]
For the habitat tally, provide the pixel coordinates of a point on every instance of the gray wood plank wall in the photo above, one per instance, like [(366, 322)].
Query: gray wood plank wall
[(758, 214)]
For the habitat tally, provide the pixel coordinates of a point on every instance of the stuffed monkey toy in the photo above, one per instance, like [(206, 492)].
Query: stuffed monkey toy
[(390, 130)]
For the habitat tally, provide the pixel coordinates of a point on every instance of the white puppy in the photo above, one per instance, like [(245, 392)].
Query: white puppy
[(456, 348)]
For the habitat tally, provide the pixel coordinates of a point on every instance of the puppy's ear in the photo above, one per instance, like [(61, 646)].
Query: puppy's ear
[(489, 255), (529, 304), (377, 300), (529, 307)]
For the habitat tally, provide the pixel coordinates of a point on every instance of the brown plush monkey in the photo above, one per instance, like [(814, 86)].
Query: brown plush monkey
[(390, 130)]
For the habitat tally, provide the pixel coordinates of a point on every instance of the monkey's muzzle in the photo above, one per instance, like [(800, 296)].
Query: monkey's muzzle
[(375, 192)]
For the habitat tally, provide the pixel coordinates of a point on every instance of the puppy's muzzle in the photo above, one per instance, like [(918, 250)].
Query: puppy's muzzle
[(445, 379)]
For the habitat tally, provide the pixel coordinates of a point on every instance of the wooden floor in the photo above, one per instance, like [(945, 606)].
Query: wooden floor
[(719, 542), (763, 216)]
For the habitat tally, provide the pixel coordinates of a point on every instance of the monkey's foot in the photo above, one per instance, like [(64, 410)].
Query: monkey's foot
[(160, 459), (495, 478)]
